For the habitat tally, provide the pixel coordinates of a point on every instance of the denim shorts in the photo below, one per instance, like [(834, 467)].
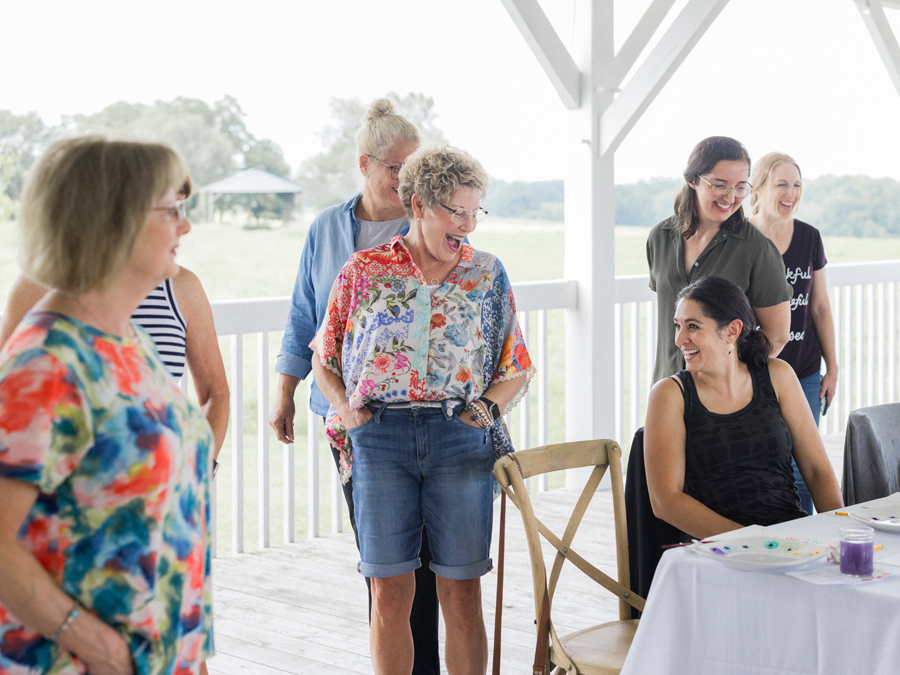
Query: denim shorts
[(415, 466)]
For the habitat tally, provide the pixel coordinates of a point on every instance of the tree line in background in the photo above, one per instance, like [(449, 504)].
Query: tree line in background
[(216, 143), (852, 206), (213, 139)]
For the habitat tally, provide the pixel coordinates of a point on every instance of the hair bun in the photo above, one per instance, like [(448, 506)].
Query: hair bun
[(380, 107)]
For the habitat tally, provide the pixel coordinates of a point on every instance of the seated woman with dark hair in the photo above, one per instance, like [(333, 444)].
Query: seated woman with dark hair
[(720, 434)]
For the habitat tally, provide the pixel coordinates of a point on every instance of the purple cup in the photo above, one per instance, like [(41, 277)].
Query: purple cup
[(857, 551)]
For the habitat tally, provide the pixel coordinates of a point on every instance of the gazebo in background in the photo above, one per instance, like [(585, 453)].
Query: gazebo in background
[(253, 182)]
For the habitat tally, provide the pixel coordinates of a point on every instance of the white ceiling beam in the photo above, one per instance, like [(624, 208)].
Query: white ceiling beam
[(883, 36), (639, 38), (551, 53), (668, 54)]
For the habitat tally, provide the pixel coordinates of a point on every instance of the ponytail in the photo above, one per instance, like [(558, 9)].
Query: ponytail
[(754, 347)]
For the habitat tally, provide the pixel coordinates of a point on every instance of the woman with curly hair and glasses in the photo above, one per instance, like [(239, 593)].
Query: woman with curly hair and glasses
[(420, 354)]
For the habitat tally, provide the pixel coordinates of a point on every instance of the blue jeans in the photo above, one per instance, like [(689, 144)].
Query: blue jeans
[(811, 385), (422, 465)]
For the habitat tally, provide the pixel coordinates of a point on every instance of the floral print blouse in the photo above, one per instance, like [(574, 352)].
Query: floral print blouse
[(122, 462), (389, 340)]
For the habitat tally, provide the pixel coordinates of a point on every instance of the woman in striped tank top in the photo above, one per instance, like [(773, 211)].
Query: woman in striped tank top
[(165, 314)]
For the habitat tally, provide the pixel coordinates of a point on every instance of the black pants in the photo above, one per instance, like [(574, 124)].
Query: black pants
[(423, 619)]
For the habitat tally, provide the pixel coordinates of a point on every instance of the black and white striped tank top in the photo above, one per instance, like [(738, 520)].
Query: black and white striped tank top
[(159, 315)]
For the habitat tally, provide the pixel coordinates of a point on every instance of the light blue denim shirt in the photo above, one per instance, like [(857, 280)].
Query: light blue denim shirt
[(330, 242)]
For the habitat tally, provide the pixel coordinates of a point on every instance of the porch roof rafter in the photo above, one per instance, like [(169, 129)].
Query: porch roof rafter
[(548, 48), (654, 73), (872, 12)]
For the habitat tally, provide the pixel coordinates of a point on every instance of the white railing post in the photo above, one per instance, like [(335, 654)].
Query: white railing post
[(262, 429), (525, 403), (337, 502), (618, 331), (287, 468), (543, 375), (847, 330), (634, 400), (237, 443), (891, 341), (879, 308), (312, 473), (870, 344)]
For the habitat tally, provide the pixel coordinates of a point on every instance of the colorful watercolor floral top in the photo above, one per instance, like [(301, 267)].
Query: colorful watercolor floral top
[(122, 464), (389, 341)]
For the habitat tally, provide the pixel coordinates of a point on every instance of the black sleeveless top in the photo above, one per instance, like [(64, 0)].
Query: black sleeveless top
[(739, 464)]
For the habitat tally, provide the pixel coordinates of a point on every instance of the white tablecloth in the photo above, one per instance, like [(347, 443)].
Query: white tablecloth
[(703, 617)]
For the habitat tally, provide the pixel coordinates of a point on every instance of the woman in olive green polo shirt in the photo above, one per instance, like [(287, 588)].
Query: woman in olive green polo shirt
[(709, 236)]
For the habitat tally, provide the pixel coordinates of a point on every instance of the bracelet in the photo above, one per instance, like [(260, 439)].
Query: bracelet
[(70, 617), (480, 415)]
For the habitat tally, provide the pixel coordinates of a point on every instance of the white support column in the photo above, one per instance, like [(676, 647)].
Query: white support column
[(872, 12), (589, 238)]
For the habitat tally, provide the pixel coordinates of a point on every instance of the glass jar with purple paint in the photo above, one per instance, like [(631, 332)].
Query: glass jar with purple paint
[(857, 550)]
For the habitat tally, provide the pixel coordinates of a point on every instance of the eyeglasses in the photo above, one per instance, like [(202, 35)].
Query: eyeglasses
[(459, 215), (178, 211), (722, 190), (395, 170)]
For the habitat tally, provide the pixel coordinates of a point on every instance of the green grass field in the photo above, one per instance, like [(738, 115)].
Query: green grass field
[(238, 263)]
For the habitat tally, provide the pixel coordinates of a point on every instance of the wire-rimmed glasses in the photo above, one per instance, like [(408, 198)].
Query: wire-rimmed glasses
[(178, 211), (722, 190), (459, 215), (395, 170)]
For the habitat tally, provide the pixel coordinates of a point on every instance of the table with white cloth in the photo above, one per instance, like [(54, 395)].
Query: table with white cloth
[(703, 617)]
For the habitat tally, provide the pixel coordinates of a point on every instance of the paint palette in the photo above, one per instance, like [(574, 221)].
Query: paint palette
[(886, 517), (762, 552)]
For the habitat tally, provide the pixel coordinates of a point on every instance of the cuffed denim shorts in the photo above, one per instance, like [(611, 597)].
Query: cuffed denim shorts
[(415, 466)]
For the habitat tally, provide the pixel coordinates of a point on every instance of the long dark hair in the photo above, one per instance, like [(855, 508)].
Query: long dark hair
[(704, 157), (723, 302)]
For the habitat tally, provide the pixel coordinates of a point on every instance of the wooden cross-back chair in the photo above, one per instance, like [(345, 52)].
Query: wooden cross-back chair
[(600, 649)]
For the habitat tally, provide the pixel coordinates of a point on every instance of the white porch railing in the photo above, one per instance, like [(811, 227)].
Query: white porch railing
[(864, 302)]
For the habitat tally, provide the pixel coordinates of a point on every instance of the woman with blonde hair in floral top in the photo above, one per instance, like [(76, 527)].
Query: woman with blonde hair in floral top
[(104, 466), (420, 354)]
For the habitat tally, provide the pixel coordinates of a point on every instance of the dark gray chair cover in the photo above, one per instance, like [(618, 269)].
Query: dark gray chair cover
[(647, 534), (872, 453)]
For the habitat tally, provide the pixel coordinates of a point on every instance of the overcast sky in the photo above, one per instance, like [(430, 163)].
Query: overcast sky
[(801, 76)]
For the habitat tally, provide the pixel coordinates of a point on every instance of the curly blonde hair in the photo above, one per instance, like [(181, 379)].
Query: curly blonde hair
[(435, 174)]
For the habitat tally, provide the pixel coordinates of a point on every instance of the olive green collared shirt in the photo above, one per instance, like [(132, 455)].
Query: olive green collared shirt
[(746, 257)]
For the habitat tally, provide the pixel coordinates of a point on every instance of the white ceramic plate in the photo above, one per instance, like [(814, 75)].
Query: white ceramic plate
[(762, 552), (886, 517)]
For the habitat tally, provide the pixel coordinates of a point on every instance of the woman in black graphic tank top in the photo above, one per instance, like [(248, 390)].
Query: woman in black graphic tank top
[(774, 198), (720, 435)]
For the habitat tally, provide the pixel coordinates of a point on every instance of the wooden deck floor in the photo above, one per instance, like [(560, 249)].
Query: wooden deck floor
[(302, 608)]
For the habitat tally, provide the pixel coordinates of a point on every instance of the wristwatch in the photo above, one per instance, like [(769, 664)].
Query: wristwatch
[(492, 407)]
